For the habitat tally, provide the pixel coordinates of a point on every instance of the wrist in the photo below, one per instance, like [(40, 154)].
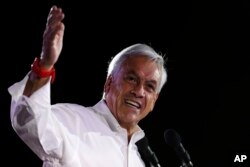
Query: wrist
[(44, 65), (43, 71)]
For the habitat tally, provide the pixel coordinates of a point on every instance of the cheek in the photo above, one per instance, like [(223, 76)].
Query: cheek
[(151, 103), (120, 88), (115, 91)]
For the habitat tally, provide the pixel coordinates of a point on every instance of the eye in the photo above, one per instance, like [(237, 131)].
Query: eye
[(151, 87), (131, 79)]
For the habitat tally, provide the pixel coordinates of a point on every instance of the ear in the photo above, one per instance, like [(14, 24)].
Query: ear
[(107, 84)]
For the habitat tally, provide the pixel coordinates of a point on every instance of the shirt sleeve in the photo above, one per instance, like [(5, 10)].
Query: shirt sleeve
[(33, 121)]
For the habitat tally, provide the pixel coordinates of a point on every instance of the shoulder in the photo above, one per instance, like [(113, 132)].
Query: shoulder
[(75, 115), (71, 110), (68, 107)]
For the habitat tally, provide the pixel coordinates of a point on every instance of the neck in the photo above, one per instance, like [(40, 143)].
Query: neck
[(130, 130)]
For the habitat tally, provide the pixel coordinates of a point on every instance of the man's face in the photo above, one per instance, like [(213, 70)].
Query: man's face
[(131, 93)]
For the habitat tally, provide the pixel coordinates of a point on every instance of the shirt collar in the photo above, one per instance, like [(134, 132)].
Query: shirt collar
[(102, 108)]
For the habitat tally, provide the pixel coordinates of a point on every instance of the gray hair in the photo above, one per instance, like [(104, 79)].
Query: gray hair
[(134, 50)]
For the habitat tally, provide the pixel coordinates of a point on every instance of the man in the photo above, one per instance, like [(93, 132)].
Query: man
[(71, 135)]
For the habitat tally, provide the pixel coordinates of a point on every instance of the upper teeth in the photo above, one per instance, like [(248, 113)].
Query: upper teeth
[(133, 103)]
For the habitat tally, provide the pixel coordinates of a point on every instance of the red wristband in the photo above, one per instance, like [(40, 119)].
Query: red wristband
[(35, 67)]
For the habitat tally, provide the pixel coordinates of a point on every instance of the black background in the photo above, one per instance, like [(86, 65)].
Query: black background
[(206, 98)]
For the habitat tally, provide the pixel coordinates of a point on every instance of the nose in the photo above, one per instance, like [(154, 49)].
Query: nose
[(138, 91)]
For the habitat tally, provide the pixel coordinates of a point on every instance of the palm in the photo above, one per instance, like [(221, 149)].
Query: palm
[(53, 37)]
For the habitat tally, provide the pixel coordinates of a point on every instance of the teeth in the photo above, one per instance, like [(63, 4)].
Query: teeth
[(133, 103)]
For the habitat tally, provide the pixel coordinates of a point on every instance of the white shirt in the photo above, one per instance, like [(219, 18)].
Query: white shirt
[(70, 135)]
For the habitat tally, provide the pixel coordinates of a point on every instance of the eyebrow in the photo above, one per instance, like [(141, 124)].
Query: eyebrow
[(132, 72)]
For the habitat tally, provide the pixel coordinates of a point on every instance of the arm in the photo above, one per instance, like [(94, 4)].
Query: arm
[(31, 112), (51, 49)]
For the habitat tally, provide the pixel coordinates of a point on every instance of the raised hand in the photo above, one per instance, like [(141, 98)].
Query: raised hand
[(52, 38)]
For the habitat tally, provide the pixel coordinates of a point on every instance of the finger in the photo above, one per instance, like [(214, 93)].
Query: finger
[(55, 21), (52, 9), (56, 15), (50, 33)]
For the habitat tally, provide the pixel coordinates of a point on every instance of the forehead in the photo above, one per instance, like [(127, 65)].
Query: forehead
[(143, 66)]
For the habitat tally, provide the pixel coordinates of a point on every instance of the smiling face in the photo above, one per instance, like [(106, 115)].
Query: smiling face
[(131, 93)]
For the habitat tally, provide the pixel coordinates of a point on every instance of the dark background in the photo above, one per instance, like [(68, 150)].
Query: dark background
[(206, 98)]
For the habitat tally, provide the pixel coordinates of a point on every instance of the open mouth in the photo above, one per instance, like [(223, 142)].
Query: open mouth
[(133, 103)]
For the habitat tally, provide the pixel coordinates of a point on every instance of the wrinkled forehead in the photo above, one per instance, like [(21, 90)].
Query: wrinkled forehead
[(143, 66), (140, 60)]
